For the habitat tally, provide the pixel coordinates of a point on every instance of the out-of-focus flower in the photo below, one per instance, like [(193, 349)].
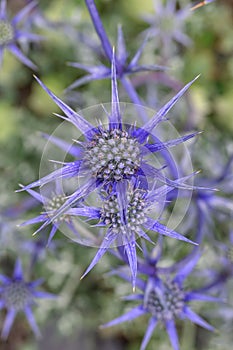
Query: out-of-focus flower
[(17, 295), (167, 25), (124, 67), (165, 299), (11, 34)]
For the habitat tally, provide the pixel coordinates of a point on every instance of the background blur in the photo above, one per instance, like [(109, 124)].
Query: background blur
[(72, 321)]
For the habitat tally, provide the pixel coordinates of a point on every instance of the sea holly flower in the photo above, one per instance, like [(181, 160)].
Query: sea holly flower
[(167, 25), (124, 66), (111, 156), (52, 202), (107, 154), (11, 34), (17, 295), (165, 299), (136, 205)]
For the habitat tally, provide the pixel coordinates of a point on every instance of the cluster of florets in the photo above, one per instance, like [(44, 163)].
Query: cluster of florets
[(134, 212), (16, 295), (6, 32), (163, 296), (165, 304), (13, 32), (112, 155), (54, 204)]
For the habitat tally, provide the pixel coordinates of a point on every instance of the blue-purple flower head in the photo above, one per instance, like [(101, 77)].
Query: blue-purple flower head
[(164, 298), (116, 158), (126, 213), (17, 295), (11, 33), (167, 26), (127, 219), (51, 202), (113, 152), (116, 151)]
